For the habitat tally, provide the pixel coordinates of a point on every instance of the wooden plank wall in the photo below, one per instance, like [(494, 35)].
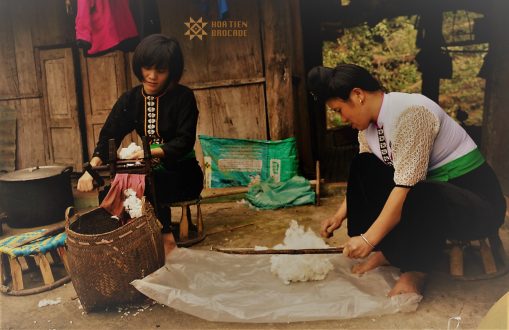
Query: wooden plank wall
[(104, 81), (225, 73), (495, 135), (246, 87), (24, 25)]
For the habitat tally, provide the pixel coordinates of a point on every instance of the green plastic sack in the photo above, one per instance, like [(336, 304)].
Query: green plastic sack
[(273, 195), (238, 162)]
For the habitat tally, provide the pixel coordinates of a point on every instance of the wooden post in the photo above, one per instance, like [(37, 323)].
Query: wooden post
[(430, 41), (112, 157), (32, 266), (487, 258), (495, 116), (17, 274), (23, 263), (456, 260), (498, 249), (2, 269), (199, 219), (184, 224), (317, 187), (63, 256), (277, 53), (50, 258), (299, 77), (47, 275)]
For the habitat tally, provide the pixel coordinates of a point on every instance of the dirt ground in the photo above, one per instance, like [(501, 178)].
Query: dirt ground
[(444, 297)]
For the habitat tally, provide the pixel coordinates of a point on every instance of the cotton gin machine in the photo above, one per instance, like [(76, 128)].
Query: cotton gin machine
[(105, 257)]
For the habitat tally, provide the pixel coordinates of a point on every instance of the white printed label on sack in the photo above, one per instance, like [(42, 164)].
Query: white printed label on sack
[(239, 165), (275, 169)]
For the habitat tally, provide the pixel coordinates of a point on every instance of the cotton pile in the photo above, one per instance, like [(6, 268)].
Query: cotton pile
[(294, 268), (132, 204), (126, 153)]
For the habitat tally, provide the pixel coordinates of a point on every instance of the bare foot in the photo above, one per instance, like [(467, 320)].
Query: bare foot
[(409, 282), (168, 243), (374, 260)]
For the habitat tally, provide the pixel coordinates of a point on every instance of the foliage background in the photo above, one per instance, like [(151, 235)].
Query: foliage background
[(388, 50)]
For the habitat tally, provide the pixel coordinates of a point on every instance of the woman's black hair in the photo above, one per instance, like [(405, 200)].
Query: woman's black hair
[(162, 52), (326, 83)]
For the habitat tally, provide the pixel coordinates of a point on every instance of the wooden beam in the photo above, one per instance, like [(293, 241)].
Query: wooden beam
[(277, 55), (372, 12), (302, 124), (226, 83)]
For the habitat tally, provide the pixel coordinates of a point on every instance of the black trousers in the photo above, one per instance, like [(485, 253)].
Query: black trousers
[(468, 207), (179, 182)]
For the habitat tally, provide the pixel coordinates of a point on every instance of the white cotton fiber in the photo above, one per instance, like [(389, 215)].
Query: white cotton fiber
[(126, 153), (47, 302), (132, 204), (302, 267)]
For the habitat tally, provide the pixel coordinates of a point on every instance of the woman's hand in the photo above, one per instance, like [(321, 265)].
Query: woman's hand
[(357, 247), (86, 182), (329, 225)]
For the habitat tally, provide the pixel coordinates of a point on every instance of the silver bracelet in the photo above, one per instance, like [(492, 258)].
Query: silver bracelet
[(367, 242)]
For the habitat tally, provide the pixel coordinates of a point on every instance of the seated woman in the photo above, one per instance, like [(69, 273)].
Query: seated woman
[(418, 179), (165, 112)]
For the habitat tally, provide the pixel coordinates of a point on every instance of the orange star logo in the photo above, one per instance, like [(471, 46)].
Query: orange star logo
[(195, 28)]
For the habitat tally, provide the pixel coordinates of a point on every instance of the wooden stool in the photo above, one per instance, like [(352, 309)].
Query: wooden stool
[(466, 256), (187, 233), (19, 272)]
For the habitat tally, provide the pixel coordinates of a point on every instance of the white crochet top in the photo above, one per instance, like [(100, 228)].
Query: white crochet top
[(420, 136)]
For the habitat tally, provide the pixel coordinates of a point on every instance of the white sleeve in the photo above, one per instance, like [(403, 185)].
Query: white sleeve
[(363, 142), (414, 135)]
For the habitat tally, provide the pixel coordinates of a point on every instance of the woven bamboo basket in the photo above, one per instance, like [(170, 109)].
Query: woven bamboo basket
[(104, 258)]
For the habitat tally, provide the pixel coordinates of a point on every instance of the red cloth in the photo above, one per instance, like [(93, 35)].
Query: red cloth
[(104, 23), (114, 200)]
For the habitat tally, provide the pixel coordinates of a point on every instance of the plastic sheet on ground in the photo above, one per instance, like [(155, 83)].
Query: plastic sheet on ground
[(240, 288)]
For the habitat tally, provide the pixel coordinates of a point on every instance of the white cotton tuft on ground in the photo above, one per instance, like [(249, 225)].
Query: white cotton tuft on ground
[(47, 302), (303, 267), (132, 204), (126, 153)]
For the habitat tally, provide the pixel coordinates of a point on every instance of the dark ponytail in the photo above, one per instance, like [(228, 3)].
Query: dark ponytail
[(325, 83)]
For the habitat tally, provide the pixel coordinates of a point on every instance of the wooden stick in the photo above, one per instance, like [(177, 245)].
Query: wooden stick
[(274, 251), (209, 193)]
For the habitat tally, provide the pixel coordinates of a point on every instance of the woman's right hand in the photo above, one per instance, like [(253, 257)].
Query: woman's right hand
[(85, 182), (329, 225)]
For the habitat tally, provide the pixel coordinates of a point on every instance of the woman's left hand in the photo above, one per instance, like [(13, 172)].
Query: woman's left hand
[(356, 248)]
